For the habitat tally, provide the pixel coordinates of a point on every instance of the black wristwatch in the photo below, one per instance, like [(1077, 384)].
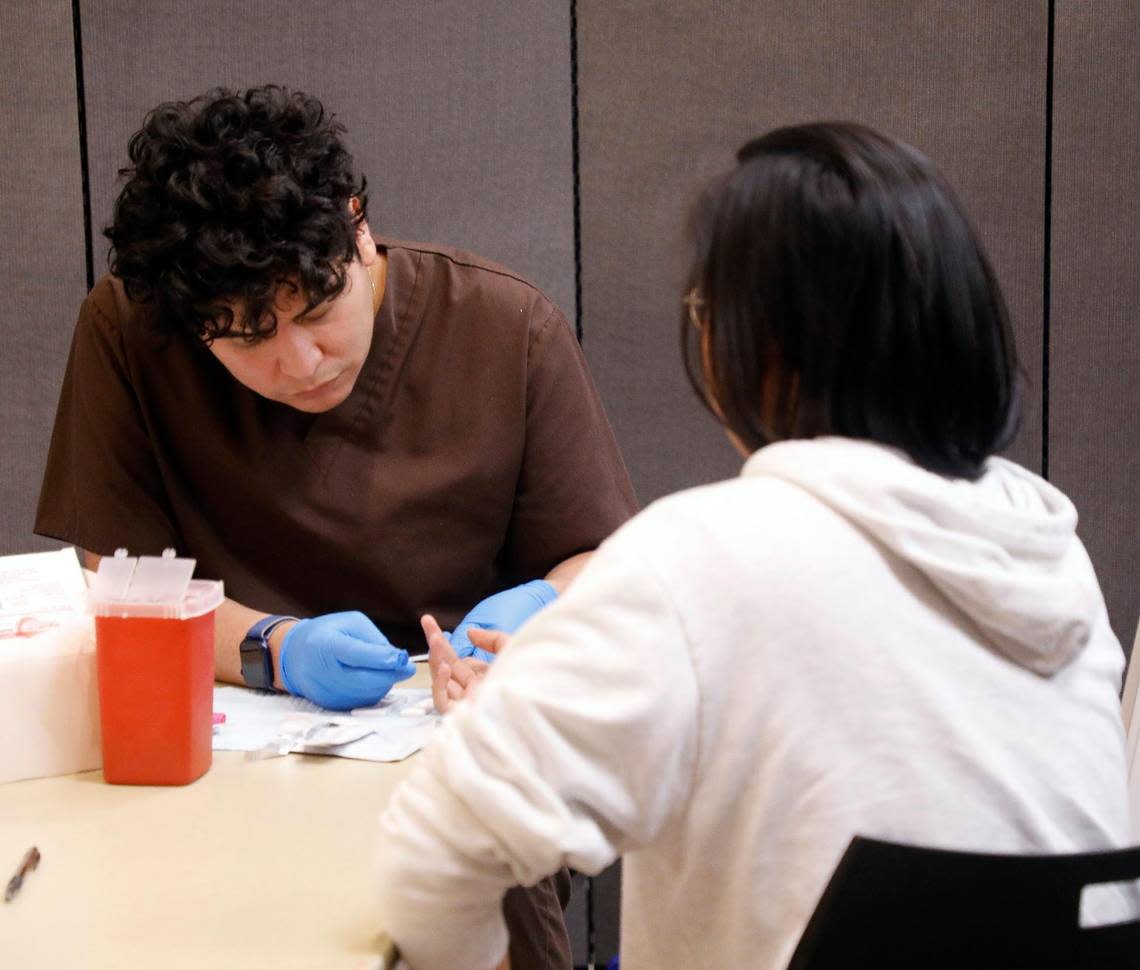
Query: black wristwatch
[(256, 661)]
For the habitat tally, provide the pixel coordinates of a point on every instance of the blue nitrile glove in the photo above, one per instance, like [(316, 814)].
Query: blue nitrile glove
[(504, 611), (341, 661)]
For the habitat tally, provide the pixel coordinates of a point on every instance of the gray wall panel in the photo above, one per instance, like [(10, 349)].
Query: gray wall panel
[(576, 920), (1094, 374), (458, 113), (41, 223), (669, 91)]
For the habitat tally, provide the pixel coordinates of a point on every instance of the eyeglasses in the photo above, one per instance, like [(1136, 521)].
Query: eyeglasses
[(697, 307)]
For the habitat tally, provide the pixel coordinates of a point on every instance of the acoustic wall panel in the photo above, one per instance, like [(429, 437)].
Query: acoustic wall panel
[(41, 223), (458, 113), (669, 91), (1094, 357)]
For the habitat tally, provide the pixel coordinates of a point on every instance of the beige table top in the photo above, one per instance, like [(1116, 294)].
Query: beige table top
[(262, 864)]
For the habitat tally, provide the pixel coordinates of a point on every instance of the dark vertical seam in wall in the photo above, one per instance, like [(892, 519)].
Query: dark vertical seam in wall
[(81, 105), (577, 183), (576, 176), (1047, 261)]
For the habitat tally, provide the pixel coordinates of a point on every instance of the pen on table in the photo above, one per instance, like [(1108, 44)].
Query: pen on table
[(30, 861)]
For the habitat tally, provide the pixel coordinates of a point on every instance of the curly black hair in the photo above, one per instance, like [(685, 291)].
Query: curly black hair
[(228, 197)]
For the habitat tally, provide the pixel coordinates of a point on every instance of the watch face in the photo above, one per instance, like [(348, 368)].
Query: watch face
[(256, 665)]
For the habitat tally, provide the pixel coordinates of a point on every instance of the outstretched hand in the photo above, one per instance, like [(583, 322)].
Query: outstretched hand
[(453, 677)]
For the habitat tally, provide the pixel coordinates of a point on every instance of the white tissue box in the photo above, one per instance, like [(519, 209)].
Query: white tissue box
[(49, 695), (49, 703)]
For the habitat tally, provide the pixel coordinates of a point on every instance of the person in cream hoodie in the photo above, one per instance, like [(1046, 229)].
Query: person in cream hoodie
[(878, 628)]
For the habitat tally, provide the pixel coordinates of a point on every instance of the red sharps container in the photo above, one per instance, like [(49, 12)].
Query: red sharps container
[(154, 651)]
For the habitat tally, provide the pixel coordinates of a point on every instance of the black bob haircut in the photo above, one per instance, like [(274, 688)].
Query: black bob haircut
[(229, 197), (838, 289)]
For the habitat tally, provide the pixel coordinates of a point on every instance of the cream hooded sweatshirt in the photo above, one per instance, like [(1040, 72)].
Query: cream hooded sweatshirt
[(749, 673)]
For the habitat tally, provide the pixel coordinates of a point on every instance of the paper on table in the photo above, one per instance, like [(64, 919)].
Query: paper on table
[(254, 718), (39, 590)]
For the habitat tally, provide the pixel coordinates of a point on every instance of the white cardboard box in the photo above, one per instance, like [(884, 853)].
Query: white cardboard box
[(49, 699)]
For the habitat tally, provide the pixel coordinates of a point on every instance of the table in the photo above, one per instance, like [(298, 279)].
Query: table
[(258, 864)]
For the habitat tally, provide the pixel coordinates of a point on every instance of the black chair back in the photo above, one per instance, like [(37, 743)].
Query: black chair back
[(893, 906)]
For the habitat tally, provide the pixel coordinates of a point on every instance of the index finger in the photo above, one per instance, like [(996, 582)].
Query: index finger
[(429, 625), (436, 638), (439, 649)]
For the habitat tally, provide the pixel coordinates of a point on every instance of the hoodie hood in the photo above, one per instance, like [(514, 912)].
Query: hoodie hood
[(1003, 549)]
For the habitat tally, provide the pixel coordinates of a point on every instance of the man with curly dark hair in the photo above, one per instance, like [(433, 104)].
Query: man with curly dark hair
[(349, 430)]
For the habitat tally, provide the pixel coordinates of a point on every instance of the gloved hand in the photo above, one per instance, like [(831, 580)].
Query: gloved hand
[(504, 611), (341, 661)]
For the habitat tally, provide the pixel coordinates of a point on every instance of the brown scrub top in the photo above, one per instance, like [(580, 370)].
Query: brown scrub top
[(473, 453)]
